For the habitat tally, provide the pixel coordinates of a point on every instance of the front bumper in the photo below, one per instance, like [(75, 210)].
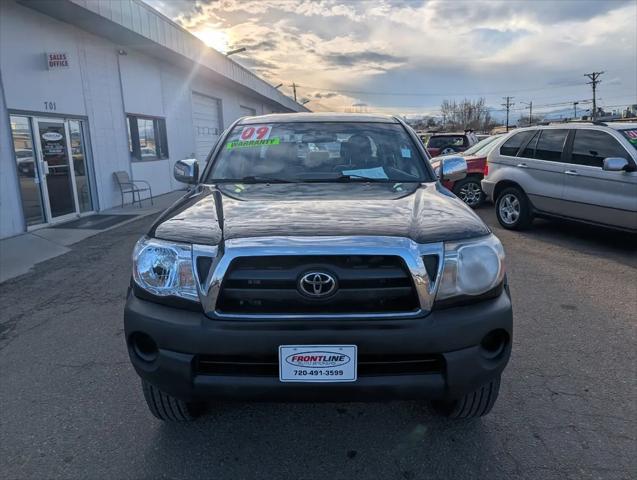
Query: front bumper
[(455, 334)]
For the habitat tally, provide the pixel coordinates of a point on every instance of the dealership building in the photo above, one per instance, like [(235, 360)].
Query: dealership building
[(93, 87)]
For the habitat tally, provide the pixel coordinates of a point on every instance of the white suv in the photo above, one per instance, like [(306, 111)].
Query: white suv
[(580, 171)]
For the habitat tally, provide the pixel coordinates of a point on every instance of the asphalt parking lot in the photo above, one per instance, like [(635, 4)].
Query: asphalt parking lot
[(72, 406)]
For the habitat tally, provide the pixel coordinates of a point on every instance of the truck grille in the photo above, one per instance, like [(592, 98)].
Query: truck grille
[(270, 285)]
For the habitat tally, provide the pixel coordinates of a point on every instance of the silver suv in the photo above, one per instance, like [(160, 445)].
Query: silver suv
[(580, 171)]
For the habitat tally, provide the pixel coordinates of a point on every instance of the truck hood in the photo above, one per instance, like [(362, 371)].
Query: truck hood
[(422, 212)]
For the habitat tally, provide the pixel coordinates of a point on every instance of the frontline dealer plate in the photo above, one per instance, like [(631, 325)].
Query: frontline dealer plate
[(317, 363)]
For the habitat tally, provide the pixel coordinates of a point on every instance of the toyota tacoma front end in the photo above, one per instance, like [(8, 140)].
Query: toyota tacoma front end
[(318, 258)]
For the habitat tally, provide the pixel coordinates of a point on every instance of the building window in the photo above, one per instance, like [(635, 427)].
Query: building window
[(147, 138)]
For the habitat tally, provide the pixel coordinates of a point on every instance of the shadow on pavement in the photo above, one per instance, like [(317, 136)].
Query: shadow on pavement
[(588, 235), (377, 440), (570, 234)]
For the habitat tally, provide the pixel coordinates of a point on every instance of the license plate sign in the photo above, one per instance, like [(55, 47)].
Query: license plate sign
[(317, 363)]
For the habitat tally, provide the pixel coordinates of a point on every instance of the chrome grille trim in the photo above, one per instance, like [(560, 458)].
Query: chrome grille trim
[(410, 251)]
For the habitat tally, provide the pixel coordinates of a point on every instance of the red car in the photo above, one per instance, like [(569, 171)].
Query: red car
[(450, 143), (469, 189)]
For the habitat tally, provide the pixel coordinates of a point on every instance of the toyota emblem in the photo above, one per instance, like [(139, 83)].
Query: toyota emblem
[(317, 284)]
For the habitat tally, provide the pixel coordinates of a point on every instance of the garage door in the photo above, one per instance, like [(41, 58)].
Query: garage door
[(206, 120), (247, 111)]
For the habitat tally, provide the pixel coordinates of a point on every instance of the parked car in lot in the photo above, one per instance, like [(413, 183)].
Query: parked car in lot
[(469, 189), (579, 171), (290, 273), (449, 143)]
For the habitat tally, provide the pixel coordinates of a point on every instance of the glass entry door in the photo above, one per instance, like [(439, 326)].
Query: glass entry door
[(57, 168), (53, 167), (27, 168)]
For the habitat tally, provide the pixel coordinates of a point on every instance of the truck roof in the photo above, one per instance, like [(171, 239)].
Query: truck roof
[(318, 117)]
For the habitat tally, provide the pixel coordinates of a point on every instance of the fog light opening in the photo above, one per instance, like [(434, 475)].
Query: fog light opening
[(494, 343), (144, 347)]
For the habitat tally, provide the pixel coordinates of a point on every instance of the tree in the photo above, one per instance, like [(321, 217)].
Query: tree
[(431, 122), (466, 115)]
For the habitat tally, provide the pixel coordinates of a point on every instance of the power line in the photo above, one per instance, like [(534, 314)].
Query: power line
[(432, 94), (542, 106), (530, 105), (548, 105), (580, 101), (508, 106), (433, 110), (594, 81)]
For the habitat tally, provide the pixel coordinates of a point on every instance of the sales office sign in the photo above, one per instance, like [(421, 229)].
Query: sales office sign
[(56, 60)]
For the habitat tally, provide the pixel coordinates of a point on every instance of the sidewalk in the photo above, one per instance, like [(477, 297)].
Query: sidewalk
[(19, 254)]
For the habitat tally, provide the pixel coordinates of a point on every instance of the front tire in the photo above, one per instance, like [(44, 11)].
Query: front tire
[(513, 209), (168, 408), (475, 404), (469, 191)]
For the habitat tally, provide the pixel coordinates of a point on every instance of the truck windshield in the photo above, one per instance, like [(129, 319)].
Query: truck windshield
[(318, 152)]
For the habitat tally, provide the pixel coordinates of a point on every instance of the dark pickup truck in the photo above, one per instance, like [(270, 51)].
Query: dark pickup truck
[(318, 257)]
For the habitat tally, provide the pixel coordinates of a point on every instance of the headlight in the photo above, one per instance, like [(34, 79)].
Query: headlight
[(164, 268), (471, 267)]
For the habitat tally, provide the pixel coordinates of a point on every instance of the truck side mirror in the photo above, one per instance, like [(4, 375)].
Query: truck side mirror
[(453, 169), (187, 171)]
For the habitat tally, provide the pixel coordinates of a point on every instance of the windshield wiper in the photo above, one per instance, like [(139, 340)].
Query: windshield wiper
[(346, 178), (362, 178), (252, 179), (338, 178)]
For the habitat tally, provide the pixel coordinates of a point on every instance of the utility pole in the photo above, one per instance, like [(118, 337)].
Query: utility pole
[(530, 105), (508, 106), (575, 104), (594, 81), (294, 90)]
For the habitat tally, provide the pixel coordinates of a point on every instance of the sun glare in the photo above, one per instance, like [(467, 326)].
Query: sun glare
[(214, 38)]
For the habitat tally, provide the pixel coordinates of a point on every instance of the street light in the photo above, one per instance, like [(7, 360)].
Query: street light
[(236, 50)]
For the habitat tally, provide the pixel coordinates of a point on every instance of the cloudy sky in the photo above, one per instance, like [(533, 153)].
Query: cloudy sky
[(405, 57)]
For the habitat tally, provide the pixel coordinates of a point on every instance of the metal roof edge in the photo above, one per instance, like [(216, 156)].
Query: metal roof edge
[(107, 20)]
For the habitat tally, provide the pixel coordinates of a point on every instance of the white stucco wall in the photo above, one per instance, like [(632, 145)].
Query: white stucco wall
[(141, 84), (25, 37), (101, 86), (11, 219), (106, 118), (178, 108)]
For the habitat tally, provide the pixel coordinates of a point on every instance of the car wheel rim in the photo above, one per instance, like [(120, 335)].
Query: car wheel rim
[(509, 209), (447, 151), (470, 193)]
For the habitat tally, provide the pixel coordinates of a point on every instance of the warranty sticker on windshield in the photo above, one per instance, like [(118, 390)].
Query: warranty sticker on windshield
[(317, 363), (256, 132), (631, 135), (252, 143)]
